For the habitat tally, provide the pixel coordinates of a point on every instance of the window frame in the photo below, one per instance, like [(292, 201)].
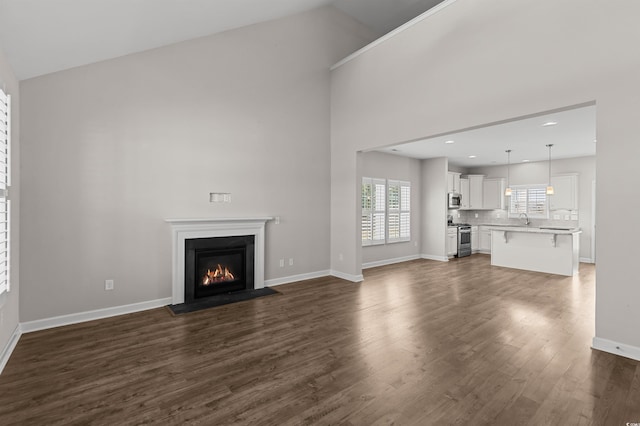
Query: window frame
[(531, 194), (403, 211), (376, 202), (373, 210)]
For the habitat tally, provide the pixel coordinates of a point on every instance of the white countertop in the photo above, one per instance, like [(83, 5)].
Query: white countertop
[(534, 229)]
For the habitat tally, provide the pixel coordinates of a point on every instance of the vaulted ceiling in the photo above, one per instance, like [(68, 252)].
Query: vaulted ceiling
[(44, 36)]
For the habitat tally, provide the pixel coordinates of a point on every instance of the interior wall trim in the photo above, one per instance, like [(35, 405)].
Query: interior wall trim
[(10, 346), (389, 261), (432, 257), (295, 278), (616, 348), (435, 9), (348, 277), (59, 321)]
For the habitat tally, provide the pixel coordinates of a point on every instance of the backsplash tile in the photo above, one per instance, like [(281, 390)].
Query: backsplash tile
[(500, 217)]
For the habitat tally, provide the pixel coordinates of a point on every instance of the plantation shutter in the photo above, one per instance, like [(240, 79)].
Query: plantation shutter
[(399, 211), (373, 211), (531, 200), (5, 173)]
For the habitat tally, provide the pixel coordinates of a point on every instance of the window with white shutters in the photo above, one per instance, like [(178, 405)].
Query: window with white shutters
[(386, 211), (5, 173), (373, 211), (398, 211), (529, 199)]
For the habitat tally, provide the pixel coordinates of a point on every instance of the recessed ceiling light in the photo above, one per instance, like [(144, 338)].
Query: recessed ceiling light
[(449, 142), (472, 156), (525, 161), (550, 123)]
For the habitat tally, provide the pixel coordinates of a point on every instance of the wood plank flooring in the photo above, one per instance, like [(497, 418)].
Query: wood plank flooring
[(417, 343)]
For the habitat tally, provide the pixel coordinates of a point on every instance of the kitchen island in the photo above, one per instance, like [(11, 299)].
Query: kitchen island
[(550, 250)]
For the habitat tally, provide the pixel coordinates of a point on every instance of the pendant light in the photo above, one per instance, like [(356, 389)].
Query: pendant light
[(549, 186), (507, 191)]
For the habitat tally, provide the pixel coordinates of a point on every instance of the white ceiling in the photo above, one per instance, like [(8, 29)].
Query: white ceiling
[(44, 36), (574, 135)]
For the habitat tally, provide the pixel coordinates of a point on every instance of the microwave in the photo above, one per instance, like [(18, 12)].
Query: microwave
[(455, 200)]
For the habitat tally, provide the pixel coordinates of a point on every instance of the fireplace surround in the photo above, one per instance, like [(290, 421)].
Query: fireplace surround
[(230, 234)]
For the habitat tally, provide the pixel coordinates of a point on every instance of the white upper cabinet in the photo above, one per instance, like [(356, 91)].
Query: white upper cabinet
[(565, 190), (464, 192), (453, 182), (475, 191), (493, 194)]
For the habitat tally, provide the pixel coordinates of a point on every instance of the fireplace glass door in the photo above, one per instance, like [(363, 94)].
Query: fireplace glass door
[(218, 265)]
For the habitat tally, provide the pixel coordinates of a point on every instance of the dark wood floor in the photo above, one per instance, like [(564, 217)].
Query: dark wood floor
[(418, 343)]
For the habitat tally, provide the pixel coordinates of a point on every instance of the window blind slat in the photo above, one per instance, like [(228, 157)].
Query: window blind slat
[(5, 208)]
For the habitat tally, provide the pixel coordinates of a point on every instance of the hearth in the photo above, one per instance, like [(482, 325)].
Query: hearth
[(218, 265)]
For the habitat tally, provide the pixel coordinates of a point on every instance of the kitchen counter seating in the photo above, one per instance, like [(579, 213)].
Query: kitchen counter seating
[(542, 249)]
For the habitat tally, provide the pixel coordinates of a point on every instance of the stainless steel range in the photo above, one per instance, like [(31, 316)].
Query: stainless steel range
[(464, 240)]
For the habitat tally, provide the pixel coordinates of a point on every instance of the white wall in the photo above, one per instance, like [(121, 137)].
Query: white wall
[(538, 173), (114, 148), (434, 208), (9, 302), (475, 63), (387, 166)]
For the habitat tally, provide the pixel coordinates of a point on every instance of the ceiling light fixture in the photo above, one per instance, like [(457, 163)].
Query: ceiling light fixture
[(472, 156), (549, 187), (525, 161), (507, 192), (550, 123), (449, 142)]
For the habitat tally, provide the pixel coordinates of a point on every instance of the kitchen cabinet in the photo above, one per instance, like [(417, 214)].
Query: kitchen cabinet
[(452, 241), (493, 194), (474, 239), (475, 191), (565, 195), (453, 182), (484, 243), (464, 192)]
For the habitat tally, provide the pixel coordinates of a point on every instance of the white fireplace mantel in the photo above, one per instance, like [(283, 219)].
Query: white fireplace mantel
[(188, 228)]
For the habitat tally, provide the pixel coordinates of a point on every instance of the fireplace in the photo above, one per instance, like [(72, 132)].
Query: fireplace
[(218, 265), (199, 233)]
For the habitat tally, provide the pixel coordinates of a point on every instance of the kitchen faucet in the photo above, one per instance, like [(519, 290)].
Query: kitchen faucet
[(526, 218)]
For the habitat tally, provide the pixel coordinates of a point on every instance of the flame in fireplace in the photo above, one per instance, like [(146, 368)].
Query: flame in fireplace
[(218, 275)]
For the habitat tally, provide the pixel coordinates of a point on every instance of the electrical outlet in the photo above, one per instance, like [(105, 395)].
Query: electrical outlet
[(277, 220), (291, 261), (108, 284), (341, 257), (282, 263), (476, 215), (566, 217)]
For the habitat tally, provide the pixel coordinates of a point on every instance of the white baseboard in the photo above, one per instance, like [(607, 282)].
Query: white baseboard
[(348, 277), (586, 260), (10, 346), (43, 324), (616, 348), (294, 278), (431, 257), (389, 261)]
